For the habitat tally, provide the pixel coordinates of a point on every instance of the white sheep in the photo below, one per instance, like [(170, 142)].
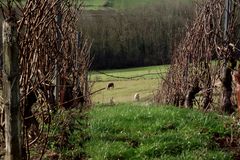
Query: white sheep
[(136, 97)]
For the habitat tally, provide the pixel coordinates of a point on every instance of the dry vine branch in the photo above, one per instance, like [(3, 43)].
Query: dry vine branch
[(198, 61), (37, 28)]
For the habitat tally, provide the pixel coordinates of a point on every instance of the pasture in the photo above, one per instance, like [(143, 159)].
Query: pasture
[(123, 4), (119, 4), (142, 80)]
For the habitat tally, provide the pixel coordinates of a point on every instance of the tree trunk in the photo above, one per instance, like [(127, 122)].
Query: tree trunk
[(11, 91)]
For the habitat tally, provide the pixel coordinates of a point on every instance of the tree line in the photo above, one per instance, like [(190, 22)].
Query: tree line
[(136, 37)]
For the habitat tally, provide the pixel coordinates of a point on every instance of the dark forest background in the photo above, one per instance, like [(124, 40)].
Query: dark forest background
[(137, 36), (141, 36)]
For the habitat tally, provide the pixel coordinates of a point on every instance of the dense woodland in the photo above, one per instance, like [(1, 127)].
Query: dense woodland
[(140, 36)]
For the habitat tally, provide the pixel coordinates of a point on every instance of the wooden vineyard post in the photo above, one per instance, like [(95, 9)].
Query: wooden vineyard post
[(228, 65), (11, 91), (59, 39)]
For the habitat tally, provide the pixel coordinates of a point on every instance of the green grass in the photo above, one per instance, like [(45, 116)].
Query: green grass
[(136, 73), (145, 83), (124, 91), (124, 4), (67, 135), (94, 2), (129, 131)]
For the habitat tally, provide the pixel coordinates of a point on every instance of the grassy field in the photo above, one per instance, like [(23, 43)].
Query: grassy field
[(124, 4), (120, 4), (142, 80), (128, 131)]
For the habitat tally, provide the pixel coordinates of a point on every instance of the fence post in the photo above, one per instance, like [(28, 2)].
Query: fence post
[(59, 39), (11, 91), (226, 78)]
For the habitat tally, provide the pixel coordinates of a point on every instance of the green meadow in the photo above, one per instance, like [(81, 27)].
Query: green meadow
[(120, 4), (124, 4), (130, 131), (144, 130), (127, 82)]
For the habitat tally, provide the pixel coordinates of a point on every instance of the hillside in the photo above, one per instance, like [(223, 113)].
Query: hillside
[(124, 4), (116, 3), (134, 33)]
